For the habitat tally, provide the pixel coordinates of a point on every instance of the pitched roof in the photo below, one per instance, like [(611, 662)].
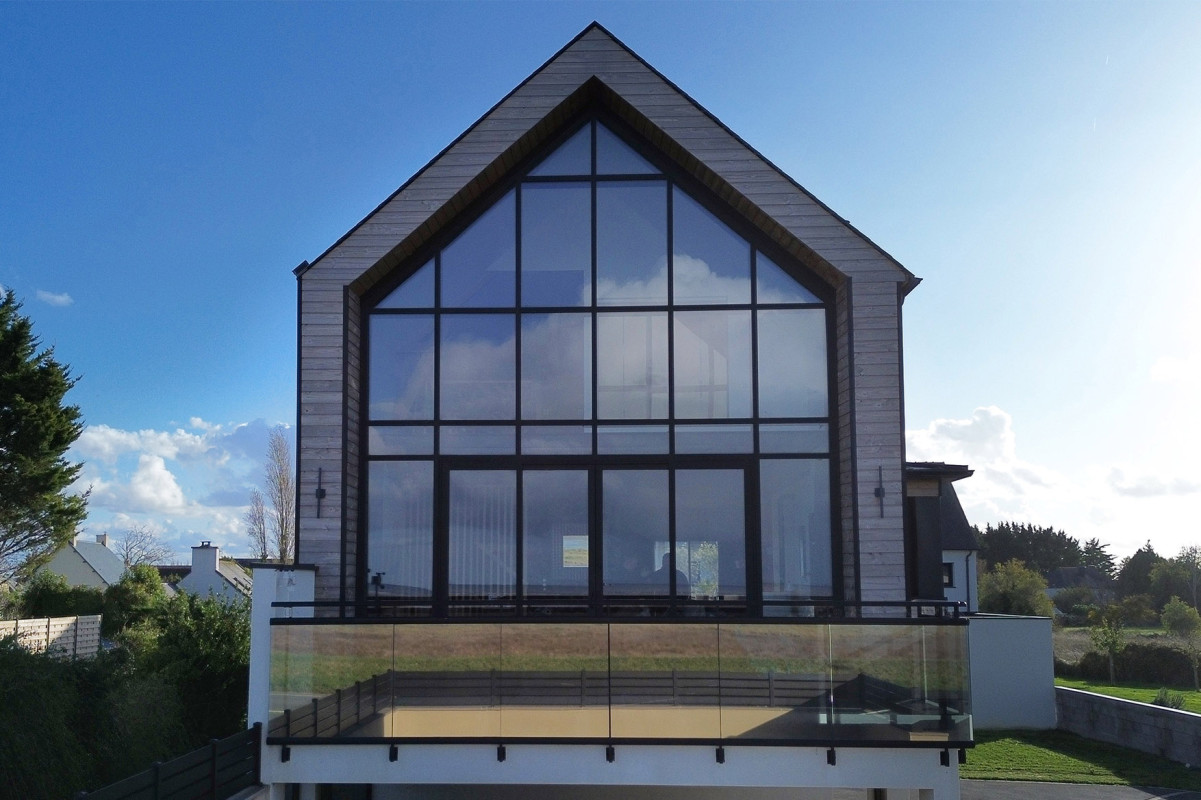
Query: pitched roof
[(597, 69), (235, 576), (107, 564)]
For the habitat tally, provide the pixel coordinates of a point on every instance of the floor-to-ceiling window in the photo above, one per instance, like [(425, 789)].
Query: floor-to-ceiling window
[(598, 398)]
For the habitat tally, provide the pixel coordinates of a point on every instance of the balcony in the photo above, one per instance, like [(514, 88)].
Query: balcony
[(891, 682)]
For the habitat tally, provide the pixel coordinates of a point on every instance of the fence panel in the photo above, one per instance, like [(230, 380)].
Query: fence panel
[(61, 637)]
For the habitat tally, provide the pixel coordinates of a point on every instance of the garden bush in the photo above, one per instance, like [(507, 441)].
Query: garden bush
[(1139, 663)]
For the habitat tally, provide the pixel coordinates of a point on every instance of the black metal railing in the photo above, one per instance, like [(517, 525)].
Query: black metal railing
[(217, 771)]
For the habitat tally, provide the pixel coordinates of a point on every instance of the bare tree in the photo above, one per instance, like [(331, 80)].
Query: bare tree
[(139, 544), (281, 489), (256, 525)]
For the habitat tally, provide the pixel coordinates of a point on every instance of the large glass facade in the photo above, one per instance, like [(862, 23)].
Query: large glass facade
[(599, 398)]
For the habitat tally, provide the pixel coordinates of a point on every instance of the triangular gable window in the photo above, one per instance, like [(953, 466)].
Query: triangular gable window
[(596, 313)]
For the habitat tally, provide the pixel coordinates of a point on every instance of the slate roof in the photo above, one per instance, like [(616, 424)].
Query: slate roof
[(107, 564)]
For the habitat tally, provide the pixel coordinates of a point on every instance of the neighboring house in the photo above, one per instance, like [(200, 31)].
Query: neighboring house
[(602, 479), (941, 540), (211, 574), (85, 563)]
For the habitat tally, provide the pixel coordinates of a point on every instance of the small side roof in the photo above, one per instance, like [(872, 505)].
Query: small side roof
[(107, 564)]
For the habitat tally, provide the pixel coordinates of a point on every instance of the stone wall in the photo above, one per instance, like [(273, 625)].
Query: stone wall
[(1140, 726)]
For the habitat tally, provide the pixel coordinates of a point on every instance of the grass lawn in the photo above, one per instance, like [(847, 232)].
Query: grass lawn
[(1142, 693), (1063, 757)]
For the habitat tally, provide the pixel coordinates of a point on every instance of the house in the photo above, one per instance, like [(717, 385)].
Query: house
[(210, 574), (940, 537), (601, 479), (87, 563)]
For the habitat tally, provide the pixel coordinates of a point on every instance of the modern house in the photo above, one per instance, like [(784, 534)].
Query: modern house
[(601, 479), (84, 563)]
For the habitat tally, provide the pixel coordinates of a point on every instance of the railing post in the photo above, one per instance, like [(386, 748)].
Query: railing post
[(213, 769), (258, 752)]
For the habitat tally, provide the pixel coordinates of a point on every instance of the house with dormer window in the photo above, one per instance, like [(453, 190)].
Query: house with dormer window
[(602, 478)]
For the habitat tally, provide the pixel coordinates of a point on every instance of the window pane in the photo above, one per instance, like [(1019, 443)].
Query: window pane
[(556, 366), (556, 440), (792, 363), (556, 244), (619, 440), (710, 263), (401, 377), (479, 268), (391, 440), (799, 438), (478, 370), (714, 439), (774, 285), (712, 364), (417, 291), (631, 369), (795, 528), (555, 529), (400, 528), (631, 244), (635, 513), (465, 440), (615, 157), (573, 157), (711, 533), (483, 528)]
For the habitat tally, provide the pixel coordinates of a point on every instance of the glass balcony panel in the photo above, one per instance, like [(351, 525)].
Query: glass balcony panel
[(882, 680), (663, 681), (775, 681), (331, 681), (447, 681), (554, 681)]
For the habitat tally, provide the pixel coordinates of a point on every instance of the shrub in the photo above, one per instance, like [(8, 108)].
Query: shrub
[(48, 595), (1011, 588), (1168, 699), (1141, 663)]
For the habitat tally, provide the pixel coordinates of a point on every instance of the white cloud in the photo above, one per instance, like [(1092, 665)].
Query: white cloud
[(50, 298), (1122, 505), (189, 484), (106, 444)]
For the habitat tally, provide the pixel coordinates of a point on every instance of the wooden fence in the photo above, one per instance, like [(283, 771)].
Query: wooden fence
[(62, 637), (216, 772)]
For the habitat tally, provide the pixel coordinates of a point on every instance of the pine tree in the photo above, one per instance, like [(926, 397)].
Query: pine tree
[(38, 514)]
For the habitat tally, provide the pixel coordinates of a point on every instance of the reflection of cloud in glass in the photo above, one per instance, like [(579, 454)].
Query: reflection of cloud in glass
[(793, 378), (712, 360), (478, 369)]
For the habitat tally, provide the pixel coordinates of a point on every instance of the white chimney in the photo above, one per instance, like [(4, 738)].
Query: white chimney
[(205, 557)]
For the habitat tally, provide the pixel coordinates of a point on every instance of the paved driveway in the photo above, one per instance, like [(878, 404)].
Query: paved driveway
[(1022, 790)]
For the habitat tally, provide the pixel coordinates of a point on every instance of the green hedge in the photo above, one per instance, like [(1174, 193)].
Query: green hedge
[(1140, 663)]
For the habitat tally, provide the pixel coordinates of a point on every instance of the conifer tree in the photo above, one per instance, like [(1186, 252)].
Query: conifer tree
[(38, 513)]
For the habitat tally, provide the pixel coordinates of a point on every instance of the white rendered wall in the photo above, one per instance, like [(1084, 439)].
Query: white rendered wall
[(424, 771), (963, 564), (1013, 672)]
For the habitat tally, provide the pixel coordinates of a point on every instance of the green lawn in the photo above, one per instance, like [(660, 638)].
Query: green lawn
[(1063, 757), (1142, 693)]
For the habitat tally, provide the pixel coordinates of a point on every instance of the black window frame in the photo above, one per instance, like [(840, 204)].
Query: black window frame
[(673, 177)]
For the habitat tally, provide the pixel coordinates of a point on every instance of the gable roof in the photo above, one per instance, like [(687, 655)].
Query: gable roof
[(105, 562), (597, 69)]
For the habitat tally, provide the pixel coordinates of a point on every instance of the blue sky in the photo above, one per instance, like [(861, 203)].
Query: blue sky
[(164, 167)]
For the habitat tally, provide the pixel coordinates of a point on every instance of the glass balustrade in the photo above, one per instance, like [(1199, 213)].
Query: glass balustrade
[(812, 683)]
